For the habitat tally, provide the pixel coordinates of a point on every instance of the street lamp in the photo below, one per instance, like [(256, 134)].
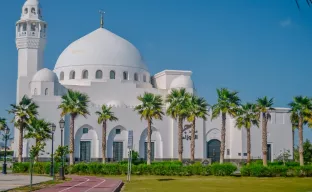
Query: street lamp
[(53, 127), (6, 135), (62, 125)]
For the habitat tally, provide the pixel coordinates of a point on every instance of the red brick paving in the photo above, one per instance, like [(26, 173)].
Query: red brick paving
[(86, 184)]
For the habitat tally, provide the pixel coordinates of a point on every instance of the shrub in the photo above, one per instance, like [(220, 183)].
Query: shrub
[(157, 168), (255, 170), (225, 169), (38, 167)]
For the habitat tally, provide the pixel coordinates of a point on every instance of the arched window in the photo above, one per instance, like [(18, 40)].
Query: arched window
[(35, 91), (136, 77), (33, 11), (144, 78), (33, 27), (25, 10), (125, 75), (112, 74), (98, 74), (85, 74), (46, 91), (24, 26), (72, 75), (62, 75)]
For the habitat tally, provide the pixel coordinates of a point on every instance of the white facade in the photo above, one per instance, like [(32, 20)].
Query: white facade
[(112, 72)]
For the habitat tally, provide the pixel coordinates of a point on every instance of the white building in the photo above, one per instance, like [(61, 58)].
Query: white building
[(111, 71)]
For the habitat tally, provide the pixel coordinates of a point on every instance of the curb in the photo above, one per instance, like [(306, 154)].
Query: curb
[(119, 187)]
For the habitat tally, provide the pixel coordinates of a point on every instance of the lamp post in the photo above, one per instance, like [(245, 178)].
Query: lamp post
[(53, 127), (6, 135), (62, 125)]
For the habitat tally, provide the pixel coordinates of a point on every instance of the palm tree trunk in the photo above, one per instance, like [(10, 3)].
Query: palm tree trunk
[(104, 142), (300, 127), (222, 146), (20, 144), (180, 147), (264, 140), (293, 142), (193, 141), (248, 146), (72, 141), (149, 135)]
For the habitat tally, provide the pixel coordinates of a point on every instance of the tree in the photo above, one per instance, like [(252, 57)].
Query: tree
[(264, 107), (74, 103), (103, 116), (301, 107), (198, 108), (3, 124), (24, 112), (150, 108), (178, 101), (40, 131), (228, 103), (248, 116), (307, 152)]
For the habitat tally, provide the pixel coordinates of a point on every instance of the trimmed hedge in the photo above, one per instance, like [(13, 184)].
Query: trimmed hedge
[(38, 167), (256, 170), (8, 153), (157, 168)]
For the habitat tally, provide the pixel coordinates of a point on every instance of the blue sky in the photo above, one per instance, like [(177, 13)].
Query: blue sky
[(259, 47)]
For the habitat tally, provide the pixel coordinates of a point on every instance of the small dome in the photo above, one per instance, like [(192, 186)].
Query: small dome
[(45, 75), (102, 48), (115, 103), (32, 2), (181, 82)]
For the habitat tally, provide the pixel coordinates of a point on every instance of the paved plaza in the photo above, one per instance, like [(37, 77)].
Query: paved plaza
[(10, 181)]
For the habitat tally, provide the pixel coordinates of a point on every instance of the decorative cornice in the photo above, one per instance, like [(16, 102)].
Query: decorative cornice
[(27, 43)]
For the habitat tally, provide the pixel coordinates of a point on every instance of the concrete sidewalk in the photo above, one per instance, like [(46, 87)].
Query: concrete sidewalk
[(10, 181)]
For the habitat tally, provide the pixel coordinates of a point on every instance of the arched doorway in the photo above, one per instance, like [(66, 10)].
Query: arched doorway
[(213, 150), (86, 143)]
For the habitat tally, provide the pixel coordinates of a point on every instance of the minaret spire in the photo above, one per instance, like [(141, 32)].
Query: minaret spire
[(102, 18)]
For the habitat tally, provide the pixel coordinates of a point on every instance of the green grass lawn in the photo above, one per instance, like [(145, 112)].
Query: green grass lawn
[(216, 184)]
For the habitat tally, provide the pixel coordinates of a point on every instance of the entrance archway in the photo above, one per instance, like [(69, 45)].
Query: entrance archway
[(213, 150)]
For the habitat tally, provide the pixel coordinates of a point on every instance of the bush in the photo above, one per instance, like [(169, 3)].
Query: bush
[(157, 168), (255, 170), (225, 169), (38, 167), (8, 153)]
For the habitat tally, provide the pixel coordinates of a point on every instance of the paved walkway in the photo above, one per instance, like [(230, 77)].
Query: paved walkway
[(86, 184), (13, 181)]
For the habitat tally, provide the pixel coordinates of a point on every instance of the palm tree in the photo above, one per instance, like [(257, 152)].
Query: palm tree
[(198, 108), (301, 108), (248, 116), (74, 103), (178, 101), (24, 112), (149, 109), (309, 2), (39, 130), (3, 124), (228, 103), (264, 107), (103, 116)]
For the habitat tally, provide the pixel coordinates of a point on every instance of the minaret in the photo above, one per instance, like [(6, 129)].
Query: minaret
[(30, 43)]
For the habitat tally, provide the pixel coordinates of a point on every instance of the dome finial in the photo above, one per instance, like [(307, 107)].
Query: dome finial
[(102, 18)]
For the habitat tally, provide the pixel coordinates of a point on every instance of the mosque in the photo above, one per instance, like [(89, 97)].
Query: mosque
[(112, 72)]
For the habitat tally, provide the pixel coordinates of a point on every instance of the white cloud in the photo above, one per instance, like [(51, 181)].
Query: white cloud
[(286, 22)]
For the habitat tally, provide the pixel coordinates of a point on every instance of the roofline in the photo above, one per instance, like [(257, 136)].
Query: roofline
[(173, 72)]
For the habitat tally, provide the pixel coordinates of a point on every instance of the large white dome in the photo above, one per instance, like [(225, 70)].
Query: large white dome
[(100, 48)]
